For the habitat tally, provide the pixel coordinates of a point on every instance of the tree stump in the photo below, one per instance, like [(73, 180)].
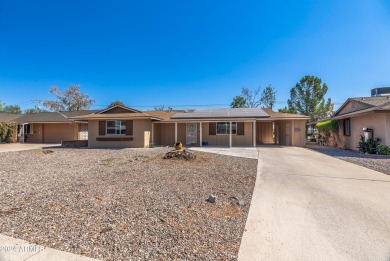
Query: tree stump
[(180, 154), (178, 145)]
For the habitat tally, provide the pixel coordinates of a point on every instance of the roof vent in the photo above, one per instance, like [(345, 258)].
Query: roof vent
[(383, 91)]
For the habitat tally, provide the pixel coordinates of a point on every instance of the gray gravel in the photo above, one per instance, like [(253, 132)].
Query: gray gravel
[(126, 204), (379, 163)]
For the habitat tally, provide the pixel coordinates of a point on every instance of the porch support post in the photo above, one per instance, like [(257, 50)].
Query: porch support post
[(200, 134), (230, 134), (175, 132), (152, 133), (254, 134)]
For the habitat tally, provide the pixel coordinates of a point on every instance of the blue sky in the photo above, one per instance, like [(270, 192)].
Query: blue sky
[(147, 53)]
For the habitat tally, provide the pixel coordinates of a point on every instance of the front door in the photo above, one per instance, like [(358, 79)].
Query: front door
[(287, 134), (191, 134)]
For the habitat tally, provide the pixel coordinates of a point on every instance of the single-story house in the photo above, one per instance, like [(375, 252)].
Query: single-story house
[(121, 126), (52, 127), (364, 112)]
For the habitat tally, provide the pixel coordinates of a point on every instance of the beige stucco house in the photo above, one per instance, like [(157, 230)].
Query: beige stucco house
[(364, 112), (121, 126)]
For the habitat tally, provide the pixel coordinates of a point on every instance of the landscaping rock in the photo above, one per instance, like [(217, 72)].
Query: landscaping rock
[(241, 203), (104, 204), (212, 199)]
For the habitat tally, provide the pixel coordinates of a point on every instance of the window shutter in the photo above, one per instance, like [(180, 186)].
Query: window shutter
[(240, 128), (102, 128), (212, 128), (129, 128)]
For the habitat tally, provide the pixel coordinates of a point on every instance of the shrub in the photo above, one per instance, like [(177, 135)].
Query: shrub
[(382, 150), (327, 127), (368, 146), (330, 130), (8, 132)]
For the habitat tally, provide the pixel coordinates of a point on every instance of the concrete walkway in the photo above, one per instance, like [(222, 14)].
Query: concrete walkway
[(309, 206), (12, 249), (7, 147), (244, 152)]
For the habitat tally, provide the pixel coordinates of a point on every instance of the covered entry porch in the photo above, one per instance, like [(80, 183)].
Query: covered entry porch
[(229, 133)]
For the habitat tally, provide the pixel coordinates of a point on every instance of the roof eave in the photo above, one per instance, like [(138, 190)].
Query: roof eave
[(118, 118)]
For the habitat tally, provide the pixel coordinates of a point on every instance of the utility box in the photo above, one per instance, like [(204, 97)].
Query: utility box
[(368, 133), (146, 139)]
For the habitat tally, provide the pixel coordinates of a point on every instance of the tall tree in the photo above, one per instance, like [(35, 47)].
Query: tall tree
[(268, 97), (69, 100), (287, 110), (238, 102), (115, 103), (251, 97), (34, 110), (1, 105), (307, 97), (159, 107), (13, 109)]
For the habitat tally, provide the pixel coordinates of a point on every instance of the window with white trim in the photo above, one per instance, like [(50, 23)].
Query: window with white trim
[(28, 128), (116, 127), (223, 128)]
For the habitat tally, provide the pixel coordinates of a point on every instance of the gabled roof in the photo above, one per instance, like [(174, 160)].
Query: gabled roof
[(130, 110), (43, 117), (7, 117), (379, 103), (374, 101), (222, 114), (121, 116)]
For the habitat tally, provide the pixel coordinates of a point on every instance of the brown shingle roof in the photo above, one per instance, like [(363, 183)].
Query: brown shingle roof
[(373, 101), (165, 115), (384, 107), (283, 115), (113, 116), (379, 103), (50, 116), (7, 117)]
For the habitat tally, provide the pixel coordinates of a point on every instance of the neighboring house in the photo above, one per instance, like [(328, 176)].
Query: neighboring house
[(7, 117), (364, 112), (52, 127), (121, 126)]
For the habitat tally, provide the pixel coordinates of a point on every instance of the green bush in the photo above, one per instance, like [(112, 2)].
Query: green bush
[(368, 146), (382, 150), (327, 127)]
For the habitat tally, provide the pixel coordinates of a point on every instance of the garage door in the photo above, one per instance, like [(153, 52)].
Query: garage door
[(58, 132)]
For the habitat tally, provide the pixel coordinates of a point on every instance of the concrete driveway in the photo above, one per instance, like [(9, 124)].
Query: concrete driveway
[(247, 152), (309, 206), (6, 147)]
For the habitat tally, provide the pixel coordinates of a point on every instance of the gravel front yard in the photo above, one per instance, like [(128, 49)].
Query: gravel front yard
[(375, 162), (126, 204)]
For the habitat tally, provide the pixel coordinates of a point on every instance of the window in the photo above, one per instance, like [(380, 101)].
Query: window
[(116, 127), (223, 128), (347, 127), (28, 129)]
